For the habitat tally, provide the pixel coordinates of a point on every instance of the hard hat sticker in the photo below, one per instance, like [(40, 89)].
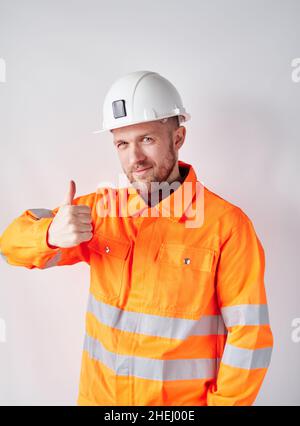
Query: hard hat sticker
[(119, 109)]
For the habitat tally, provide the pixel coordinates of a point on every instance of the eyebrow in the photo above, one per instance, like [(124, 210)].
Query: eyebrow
[(138, 137)]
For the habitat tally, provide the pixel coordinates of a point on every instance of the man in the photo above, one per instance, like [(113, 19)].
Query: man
[(177, 311)]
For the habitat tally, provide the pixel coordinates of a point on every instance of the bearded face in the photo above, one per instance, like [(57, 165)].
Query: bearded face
[(148, 152)]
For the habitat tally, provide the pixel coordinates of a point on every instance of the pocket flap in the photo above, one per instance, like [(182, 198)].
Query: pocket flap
[(199, 258), (109, 246)]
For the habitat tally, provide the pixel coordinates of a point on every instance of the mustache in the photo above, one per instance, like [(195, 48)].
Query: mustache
[(140, 167)]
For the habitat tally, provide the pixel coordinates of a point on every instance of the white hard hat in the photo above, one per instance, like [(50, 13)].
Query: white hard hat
[(139, 97)]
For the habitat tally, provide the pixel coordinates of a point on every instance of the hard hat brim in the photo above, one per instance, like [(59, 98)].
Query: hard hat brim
[(186, 116)]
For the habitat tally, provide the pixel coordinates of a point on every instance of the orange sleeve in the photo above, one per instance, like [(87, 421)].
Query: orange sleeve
[(246, 354), (24, 241)]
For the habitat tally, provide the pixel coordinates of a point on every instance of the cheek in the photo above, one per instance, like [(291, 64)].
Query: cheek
[(123, 159), (155, 154)]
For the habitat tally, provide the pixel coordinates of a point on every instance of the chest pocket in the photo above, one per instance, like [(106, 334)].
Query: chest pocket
[(107, 259), (183, 278)]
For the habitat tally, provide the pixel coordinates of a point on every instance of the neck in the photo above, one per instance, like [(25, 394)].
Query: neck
[(175, 176)]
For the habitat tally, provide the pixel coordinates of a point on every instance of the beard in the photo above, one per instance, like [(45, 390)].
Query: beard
[(158, 174)]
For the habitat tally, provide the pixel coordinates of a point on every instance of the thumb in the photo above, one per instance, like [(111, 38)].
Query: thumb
[(70, 194)]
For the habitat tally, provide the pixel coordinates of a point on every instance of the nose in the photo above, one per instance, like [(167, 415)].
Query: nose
[(136, 155)]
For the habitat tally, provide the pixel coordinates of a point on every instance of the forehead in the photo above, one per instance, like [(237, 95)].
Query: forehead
[(137, 130)]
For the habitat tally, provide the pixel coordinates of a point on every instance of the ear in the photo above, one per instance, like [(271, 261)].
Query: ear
[(180, 137)]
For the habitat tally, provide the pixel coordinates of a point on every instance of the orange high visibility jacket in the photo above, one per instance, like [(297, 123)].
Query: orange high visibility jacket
[(177, 314)]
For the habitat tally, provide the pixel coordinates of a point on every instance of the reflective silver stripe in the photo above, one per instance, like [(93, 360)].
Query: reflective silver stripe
[(246, 358), (245, 315), (150, 368), (40, 213), (53, 261), (154, 325)]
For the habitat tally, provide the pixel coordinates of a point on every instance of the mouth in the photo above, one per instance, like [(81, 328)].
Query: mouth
[(142, 171)]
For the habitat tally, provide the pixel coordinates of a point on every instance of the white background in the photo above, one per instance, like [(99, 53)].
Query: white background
[(231, 62)]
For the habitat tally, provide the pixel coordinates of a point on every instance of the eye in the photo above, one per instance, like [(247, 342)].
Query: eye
[(149, 139), (120, 144)]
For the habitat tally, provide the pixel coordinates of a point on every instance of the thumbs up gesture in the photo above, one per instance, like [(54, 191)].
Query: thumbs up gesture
[(72, 224)]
